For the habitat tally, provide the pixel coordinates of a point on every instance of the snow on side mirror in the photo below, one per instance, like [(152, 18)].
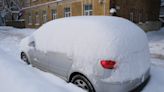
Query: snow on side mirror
[(32, 44)]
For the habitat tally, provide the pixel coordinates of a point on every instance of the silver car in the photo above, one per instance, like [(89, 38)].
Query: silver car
[(96, 53)]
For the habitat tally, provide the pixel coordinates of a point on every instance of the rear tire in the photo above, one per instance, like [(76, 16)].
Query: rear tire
[(82, 82), (25, 58)]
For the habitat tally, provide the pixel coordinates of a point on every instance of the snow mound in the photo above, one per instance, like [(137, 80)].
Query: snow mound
[(18, 77), (96, 38)]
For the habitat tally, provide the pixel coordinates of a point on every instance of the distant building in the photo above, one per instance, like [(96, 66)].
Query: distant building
[(143, 12), (38, 12)]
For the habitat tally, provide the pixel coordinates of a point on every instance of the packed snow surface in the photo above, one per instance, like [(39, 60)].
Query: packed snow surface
[(156, 43), (16, 77), (100, 38)]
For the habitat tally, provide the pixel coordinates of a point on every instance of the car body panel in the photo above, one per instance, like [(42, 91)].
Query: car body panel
[(59, 63)]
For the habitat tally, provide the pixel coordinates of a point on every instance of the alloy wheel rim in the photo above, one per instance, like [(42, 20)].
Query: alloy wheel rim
[(82, 84), (24, 58)]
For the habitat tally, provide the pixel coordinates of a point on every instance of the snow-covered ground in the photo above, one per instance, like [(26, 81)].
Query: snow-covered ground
[(16, 76), (156, 45)]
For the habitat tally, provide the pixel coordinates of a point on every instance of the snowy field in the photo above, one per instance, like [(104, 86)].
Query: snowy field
[(16, 76)]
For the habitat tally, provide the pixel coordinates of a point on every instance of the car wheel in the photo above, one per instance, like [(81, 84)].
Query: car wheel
[(83, 83), (25, 58)]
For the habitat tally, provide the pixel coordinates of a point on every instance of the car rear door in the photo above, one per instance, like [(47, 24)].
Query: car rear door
[(59, 63)]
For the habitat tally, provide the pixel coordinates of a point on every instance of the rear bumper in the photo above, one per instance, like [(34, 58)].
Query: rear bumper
[(124, 86)]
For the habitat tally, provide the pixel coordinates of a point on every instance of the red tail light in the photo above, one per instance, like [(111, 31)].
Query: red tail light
[(108, 64)]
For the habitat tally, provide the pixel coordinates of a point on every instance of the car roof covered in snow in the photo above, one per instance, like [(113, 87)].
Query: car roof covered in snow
[(92, 21), (89, 32), (92, 29)]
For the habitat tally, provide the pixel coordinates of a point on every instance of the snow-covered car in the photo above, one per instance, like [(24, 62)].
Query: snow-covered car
[(97, 53)]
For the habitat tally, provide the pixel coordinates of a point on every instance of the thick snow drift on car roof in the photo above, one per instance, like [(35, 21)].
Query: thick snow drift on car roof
[(95, 38)]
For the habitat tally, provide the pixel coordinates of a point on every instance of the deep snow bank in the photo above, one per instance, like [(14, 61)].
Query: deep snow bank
[(18, 77)]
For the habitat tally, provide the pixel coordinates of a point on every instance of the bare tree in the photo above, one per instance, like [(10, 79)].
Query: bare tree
[(10, 9)]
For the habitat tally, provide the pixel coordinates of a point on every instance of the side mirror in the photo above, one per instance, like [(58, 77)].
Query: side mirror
[(32, 44)]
